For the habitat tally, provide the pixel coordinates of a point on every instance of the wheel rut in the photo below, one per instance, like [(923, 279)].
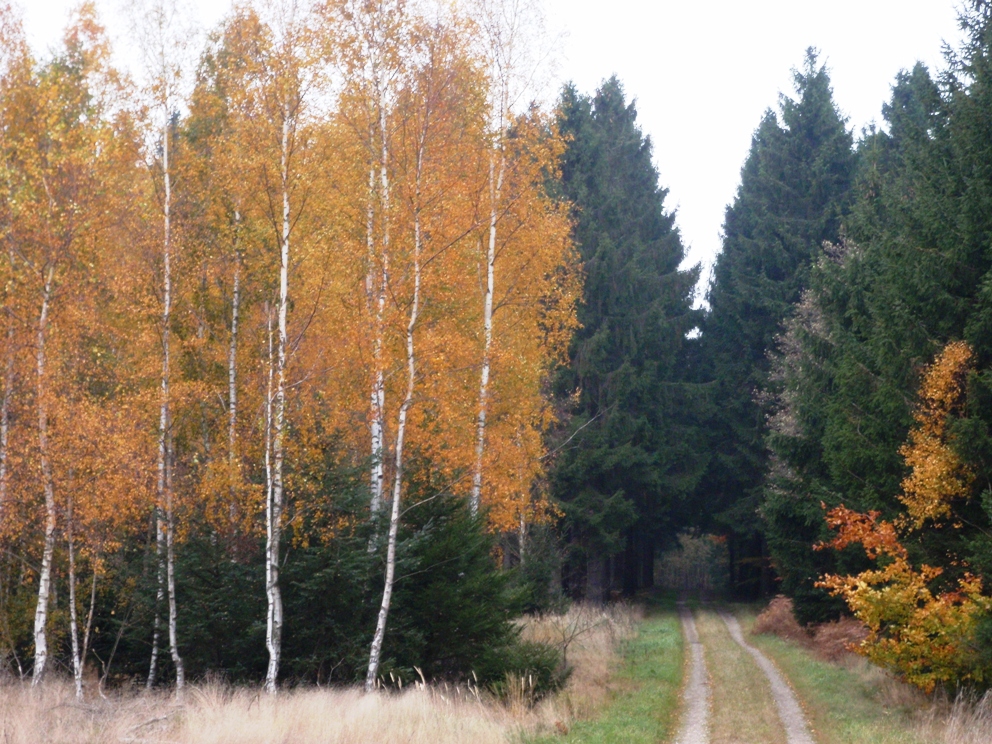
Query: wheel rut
[(696, 696), (789, 711)]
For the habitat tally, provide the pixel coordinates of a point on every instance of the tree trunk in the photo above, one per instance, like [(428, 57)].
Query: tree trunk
[(394, 517), (375, 314), (497, 164), (170, 564), (379, 383), (48, 484), (232, 376), (77, 661), (159, 597), (165, 421), (274, 516)]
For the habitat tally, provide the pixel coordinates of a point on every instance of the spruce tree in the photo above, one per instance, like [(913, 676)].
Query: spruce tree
[(912, 276), (794, 192), (630, 453)]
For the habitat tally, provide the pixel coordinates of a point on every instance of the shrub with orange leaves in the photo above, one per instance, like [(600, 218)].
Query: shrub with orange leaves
[(938, 476), (921, 633)]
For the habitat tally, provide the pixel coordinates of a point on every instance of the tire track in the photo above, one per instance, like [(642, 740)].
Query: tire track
[(789, 711), (696, 696)]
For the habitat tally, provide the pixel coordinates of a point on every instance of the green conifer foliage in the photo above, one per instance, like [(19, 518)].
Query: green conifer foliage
[(631, 451), (795, 190), (913, 275)]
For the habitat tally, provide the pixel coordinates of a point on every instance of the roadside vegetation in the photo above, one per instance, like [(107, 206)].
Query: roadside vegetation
[(592, 639), (641, 700), (848, 699)]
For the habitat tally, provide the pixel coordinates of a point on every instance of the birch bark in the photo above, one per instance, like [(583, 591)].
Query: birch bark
[(378, 400), (375, 652), (232, 375), (165, 495), (159, 597), (375, 408), (497, 166), (273, 634), (8, 386), (77, 662), (48, 485)]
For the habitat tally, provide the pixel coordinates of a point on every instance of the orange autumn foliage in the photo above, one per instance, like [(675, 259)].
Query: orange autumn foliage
[(937, 474), (921, 633)]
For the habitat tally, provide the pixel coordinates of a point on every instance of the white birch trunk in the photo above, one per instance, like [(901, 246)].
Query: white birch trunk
[(48, 484), (77, 660), (232, 372), (164, 434), (269, 474), (375, 652), (232, 368), (379, 383), (159, 597), (170, 563), (375, 407), (497, 165), (273, 635)]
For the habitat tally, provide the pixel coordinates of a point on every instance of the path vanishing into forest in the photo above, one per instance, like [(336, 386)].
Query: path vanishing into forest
[(732, 692)]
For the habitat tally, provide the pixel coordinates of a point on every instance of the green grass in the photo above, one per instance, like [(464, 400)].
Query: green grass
[(844, 704), (644, 708)]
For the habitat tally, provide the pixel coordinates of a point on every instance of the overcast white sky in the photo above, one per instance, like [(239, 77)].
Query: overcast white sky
[(702, 72)]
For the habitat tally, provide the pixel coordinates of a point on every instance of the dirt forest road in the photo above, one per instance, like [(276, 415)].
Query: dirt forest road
[(733, 693)]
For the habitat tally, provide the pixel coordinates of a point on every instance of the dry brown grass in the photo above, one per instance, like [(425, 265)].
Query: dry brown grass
[(220, 715), (778, 619), (224, 715), (591, 637), (968, 720), (831, 641)]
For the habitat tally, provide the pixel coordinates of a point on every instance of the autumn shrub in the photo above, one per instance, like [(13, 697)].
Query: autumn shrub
[(778, 619), (837, 638), (920, 622)]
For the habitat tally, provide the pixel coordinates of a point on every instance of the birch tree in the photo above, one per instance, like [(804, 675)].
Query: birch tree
[(502, 25), (370, 57), (434, 107), (15, 76), (163, 36), (61, 141), (285, 76)]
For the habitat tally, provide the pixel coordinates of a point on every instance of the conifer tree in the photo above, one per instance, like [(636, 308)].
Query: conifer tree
[(627, 455), (794, 192)]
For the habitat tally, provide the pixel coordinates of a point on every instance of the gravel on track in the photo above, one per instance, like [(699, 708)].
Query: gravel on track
[(696, 695), (796, 728)]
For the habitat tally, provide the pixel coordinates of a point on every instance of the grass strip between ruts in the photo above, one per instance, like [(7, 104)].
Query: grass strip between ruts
[(643, 709)]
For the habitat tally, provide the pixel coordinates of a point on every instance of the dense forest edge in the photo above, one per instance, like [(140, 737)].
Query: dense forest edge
[(329, 355)]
